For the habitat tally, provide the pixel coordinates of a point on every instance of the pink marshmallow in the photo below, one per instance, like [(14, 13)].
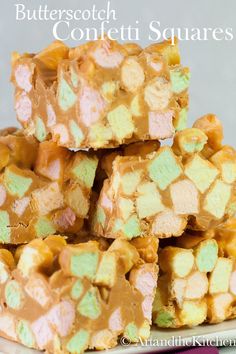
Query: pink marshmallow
[(42, 331), (66, 219), (156, 66), (53, 170), (52, 119), (3, 195), (62, 317), (144, 279), (20, 205), (147, 307), (106, 58), (91, 104), (23, 107), (115, 321), (7, 326), (37, 290), (160, 125), (106, 202), (23, 77), (60, 133)]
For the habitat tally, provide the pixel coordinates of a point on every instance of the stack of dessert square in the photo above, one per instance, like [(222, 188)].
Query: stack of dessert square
[(88, 194)]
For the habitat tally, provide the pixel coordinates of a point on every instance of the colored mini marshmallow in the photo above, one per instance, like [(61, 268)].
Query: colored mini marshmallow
[(73, 291), (177, 261), (114, 96), (206, 255), (191, 293), (225, 236), (211, 126), (189, 141), (159, 190), (44, 188)]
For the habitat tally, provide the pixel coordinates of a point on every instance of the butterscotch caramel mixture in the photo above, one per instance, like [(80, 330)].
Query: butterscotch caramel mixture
[(69, 298), (163, 190), (44, 188), (81, 227), (101, 94), (198, 279)]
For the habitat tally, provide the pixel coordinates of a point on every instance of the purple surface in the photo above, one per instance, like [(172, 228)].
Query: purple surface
[(200, 350)]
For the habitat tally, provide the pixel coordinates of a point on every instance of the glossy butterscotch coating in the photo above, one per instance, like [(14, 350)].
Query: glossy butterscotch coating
[(162, 190), (66, 298), (44, 188), (196, 285), (101, 94)]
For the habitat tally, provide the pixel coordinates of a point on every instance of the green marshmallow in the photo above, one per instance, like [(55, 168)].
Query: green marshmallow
[(121, 122), (76, 132), (229, 172), (107, 270), (164, 168), (100, 216), (66, 96), (220, 276), (193, 313), (131, 332), (192, 140), (132, 227), (5, 231), (201, 172), (14, 295), (126, 207), (149, 202), (25, 333), (181, 124), (44, 227), (130, 181), (79, 342), (135, 106), (117, 225), (217, 199), (3, 273), (77, 289), (116, 182), (40, 130), (109, 90), (206, 255), (179, 80), (144, 330), (100, 134), (84, 265), (231, 210), (16, 184), (158, 299), (193, 147), (89, 306), (164, 319), (85, 171), (74, 77)]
